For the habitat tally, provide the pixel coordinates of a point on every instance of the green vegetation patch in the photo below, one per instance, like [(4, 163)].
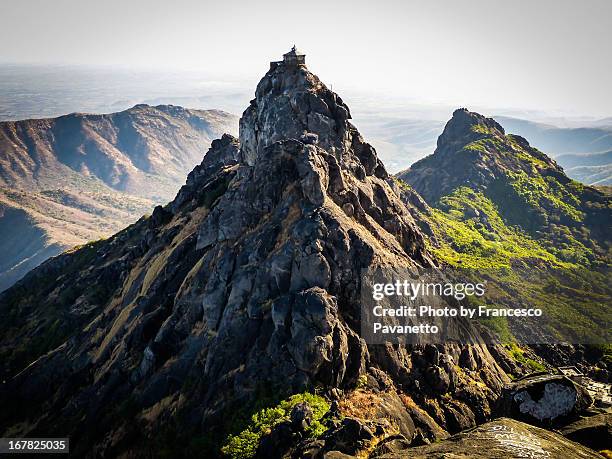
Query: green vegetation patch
[(244, 445), (545, 192), (518, 355), (473, 235), (554, 272)]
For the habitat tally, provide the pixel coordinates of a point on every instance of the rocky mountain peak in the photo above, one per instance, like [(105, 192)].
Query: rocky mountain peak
[(485, 152), (292, 103), (249, 280), (466, 126)]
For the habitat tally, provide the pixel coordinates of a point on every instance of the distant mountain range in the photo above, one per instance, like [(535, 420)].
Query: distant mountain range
[(400, 141), (68, 180), (556, 141), (591, 168), (584, 152)]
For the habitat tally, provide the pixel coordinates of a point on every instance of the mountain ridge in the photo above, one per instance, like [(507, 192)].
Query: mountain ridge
[(558, 141), (493, 159), (119, 149), (69, 180), (501, 209)]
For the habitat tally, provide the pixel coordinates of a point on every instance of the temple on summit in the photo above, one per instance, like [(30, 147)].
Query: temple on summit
[(294, 57), (291, 59)]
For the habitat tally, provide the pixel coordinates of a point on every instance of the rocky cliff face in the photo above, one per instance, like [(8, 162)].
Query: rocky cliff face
[(246, 284)]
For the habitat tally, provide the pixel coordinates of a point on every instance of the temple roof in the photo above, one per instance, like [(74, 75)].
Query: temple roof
[(294, 52)]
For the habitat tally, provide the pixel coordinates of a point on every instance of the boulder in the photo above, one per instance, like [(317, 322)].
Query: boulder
[(500, 439), (337, 455), (544, 399), (279, 442), (392, 444), (392, 408), (301, 416)]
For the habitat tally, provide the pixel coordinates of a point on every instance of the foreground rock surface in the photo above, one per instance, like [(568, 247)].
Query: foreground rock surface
[(501, 439), (594, 431)]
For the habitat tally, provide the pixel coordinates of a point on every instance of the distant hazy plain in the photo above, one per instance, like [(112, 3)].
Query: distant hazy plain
[(402, 129)]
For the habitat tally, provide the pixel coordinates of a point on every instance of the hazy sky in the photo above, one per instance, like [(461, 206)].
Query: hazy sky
[(537, 54)]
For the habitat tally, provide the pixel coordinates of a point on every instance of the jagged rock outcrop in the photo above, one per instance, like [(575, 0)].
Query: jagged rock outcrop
[(247, 283)]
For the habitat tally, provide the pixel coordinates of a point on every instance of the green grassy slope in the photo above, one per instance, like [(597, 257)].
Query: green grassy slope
[(510, 215)]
